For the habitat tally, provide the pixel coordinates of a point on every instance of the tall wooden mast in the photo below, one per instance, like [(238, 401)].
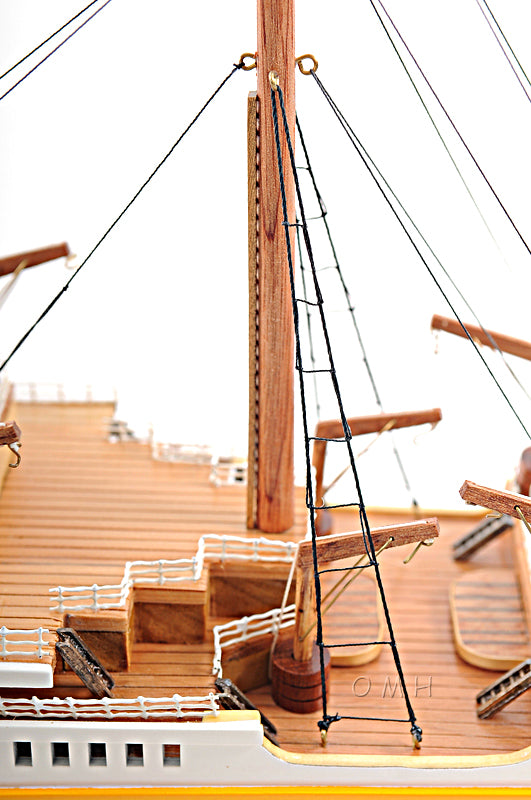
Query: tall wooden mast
[(272, 420)]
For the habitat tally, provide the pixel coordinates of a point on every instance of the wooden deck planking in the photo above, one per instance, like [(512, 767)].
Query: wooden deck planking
[(79, 507), (418, 600)]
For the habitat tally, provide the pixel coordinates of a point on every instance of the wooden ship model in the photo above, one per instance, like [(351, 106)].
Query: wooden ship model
[(159, 616)]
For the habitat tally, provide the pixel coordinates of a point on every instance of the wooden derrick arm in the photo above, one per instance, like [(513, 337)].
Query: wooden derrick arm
[(333, 429), (507, 344), (9, 433), (344, 545), (8, 264), (504, 502), (333, 548)]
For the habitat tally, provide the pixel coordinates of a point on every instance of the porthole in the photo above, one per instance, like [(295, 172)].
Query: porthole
[(23, 757), (60, 754), (171, 755), (134, 755)]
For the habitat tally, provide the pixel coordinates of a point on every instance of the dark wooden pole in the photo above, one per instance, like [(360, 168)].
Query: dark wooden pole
[(274, 474)]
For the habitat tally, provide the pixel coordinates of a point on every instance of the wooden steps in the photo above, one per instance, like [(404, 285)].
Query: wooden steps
[(488, 619), (35, 556)]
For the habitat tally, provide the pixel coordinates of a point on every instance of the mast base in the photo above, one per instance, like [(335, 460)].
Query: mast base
[(296, 685)]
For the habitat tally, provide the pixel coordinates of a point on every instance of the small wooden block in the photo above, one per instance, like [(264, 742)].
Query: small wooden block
[(108, 620), (106, 633), (504, 502)]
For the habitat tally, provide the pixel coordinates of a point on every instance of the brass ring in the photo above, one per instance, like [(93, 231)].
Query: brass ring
[(247, 67), (274, 80), (300, 59)]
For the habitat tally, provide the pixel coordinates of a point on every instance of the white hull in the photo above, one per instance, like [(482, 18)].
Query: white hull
[(229, 752)]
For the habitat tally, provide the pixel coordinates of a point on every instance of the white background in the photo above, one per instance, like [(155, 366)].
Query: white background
[(160, 311)]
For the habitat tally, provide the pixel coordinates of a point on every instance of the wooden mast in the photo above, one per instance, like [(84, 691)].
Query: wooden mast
[(274, 493)]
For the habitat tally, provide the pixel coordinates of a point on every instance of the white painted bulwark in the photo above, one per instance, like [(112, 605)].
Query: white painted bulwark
[(25, 674), (230, 751)]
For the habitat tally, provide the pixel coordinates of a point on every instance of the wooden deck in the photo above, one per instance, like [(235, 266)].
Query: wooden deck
[(442, 687), (79, 507)]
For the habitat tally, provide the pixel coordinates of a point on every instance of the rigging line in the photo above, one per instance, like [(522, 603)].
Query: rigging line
[(439, 134), (503, 48), (487, 333), (309, 324), (507, 43), (450, 120), (325, 722), (119, 217), (46, 40), (492, 341), (366, 159), (352, 313), (70, 35), (296, 326)]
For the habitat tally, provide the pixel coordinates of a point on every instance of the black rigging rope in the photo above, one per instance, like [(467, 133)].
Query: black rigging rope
[(367, 162), (450, 120), (308, 322), (327, 719), (66, 24), (351, 310), (503, 48), (70, 35), (119, 217), (493, 343), (434, 124)]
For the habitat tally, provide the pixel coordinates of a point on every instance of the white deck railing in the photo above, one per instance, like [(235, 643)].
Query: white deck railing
[(176, 707), (30, 392), (181, 453), (240, 630), (97, 597), (36, 642), (211, 547), (228, 472)]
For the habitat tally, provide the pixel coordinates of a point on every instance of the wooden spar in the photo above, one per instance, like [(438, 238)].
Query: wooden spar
[(274, 468), (9, 433), (507, 344), (333, 429), (504, 502), (332, 548), (33, 257), (344, 545)]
